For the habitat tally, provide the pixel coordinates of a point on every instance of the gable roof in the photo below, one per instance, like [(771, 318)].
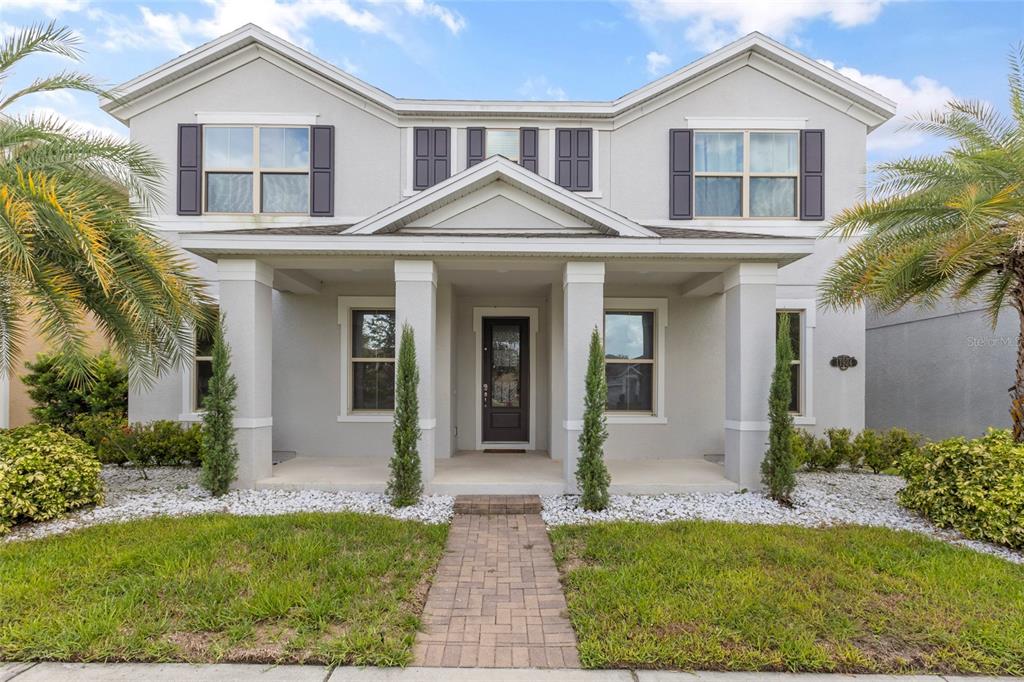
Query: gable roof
[(870, 106), (499, 169)]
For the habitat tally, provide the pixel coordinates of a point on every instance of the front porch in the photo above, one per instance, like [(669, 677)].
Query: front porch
[(485, 473)]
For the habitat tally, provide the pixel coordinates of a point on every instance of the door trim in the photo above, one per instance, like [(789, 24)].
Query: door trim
[(478, 330)]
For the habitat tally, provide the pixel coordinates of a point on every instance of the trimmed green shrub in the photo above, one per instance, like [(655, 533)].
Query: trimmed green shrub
[(45, 473), (820, 456), (59, 400), (869, 451), (840, 449), (219, 451), (975, 486), (591, 473), (159, 443), (777, 467), (801, 443), (106, 432), (898, 442), (406, 482)]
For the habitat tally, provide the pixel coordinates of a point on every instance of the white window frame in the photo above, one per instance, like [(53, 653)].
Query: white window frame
[(745, 175), (659, 306), (518, 138), (806, 307), (256, 171), (346, 306)]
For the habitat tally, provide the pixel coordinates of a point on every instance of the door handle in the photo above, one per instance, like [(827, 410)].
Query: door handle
[(485, 395)]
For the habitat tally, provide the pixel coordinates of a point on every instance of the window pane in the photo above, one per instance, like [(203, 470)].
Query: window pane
[(719, 196), (504, 142), (284, 192), (794, 330), (794, 388), (373, 334), (227, 147), (718, 152), (229, 192), (774, 153), (204, 370), (373, 385), (773, 197), (506, 365), (284, 147), (629, 336), (630, 387)]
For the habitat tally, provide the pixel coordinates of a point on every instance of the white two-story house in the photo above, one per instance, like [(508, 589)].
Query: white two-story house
[(679, 220)]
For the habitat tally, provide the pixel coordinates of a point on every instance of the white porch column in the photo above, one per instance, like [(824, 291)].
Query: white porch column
[(749, 359), (583, 287), (416, 304), (245, 301)]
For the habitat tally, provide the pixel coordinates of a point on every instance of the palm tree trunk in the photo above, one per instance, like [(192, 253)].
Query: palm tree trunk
[(1017, 390)]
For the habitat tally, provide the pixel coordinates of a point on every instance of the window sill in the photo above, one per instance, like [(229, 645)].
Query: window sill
[(804, 420), (369, 417), (190, 417), (636, 419)]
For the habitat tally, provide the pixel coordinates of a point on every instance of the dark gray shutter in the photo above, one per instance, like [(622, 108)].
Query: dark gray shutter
[(190, 169), (812, 175), (680, 179), (476, 147), (431, 158), (529, 148), (321, 170), (573, 158)]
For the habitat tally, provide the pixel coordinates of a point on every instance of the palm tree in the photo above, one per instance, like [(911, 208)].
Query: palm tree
[(948, 225), (73, 237)]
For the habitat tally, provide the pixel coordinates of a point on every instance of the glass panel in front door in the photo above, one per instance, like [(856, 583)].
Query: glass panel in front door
[(505, 365)]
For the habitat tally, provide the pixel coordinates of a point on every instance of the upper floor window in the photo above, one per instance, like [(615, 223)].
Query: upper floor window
[(250, 169), (503, 142), (746, 174)]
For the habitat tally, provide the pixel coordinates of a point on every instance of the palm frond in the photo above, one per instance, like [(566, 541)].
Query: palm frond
[(39, 38), (65, 80)]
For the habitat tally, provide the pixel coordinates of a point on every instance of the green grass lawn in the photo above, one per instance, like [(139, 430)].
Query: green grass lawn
[(330, 588), (703, 595)]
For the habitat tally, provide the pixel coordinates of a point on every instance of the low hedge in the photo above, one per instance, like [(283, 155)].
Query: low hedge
[(45, 473), (975, 486), (158, 443)]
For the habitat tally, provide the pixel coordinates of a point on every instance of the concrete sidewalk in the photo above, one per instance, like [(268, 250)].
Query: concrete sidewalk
[(183, 672)]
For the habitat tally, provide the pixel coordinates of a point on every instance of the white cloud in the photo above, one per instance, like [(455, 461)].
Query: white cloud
[(538, 88), (289, 19), (81, 124), (453, 21), (922, 95), (51, 8), (657, 62), (709, 25)]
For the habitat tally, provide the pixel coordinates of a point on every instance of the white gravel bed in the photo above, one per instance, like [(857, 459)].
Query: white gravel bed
[(820, 499), (174, 491)]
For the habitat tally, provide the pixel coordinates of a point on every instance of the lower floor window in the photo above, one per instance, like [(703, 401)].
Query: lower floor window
[(373, 360), (796, 367), (202, 369), (629, 360)]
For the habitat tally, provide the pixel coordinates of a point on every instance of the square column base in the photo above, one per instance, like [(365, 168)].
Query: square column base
[(255, 455), (744, 450)]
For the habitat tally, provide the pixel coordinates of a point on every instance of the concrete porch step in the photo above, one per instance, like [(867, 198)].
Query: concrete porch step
[(491, 505)]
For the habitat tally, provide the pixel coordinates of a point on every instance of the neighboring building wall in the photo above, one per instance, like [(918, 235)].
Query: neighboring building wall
[(941, 372), (19, 403)]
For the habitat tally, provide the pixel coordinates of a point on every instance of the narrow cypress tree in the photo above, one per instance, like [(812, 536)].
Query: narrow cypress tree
[(778, 464), (406, 484), (219, 452), (591, 473)]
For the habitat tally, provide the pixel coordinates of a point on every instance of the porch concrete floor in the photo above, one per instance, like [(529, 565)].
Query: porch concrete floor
[(484, 473)]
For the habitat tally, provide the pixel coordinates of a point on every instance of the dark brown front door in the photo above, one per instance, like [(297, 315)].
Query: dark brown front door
[(506, 375)]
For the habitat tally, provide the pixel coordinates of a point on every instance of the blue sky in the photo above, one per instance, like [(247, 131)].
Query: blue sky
[(917, 53)]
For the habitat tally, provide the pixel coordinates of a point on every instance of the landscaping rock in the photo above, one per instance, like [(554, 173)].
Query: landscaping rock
[(175, 491), (820, 499)]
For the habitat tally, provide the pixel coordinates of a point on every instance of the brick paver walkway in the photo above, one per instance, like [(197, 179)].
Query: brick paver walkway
[(496, 600)]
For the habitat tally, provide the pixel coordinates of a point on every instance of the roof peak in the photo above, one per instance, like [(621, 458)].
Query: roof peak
[(248, 34)]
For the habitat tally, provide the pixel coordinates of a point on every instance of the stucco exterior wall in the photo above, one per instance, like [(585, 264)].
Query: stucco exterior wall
[(941, 372)]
